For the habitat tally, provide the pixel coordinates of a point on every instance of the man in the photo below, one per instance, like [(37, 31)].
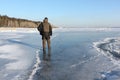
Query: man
[(45, 30)]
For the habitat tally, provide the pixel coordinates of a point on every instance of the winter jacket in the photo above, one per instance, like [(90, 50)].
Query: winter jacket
[(45, 27)]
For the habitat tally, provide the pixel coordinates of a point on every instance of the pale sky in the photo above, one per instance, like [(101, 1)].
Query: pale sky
[(66, 13)]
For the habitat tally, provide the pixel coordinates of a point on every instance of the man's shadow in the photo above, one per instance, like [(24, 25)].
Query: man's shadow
[(47, 55)]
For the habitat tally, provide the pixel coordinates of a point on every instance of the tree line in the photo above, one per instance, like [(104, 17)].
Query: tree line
[(6, 21)]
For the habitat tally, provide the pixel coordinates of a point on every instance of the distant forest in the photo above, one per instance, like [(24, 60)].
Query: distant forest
[(6, 21)]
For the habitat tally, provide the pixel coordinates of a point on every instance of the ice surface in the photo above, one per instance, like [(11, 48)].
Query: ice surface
[(110, 47), (19, 55), (73, 56)]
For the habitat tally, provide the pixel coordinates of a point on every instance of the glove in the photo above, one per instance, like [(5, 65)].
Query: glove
[(50, 33)]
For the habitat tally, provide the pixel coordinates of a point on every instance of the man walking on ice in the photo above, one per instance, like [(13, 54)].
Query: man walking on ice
[(45, 30)]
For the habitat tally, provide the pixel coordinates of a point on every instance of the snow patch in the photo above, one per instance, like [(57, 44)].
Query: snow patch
[(111, 49)]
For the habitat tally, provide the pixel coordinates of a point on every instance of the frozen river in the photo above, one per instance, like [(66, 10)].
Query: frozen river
[(76, 54)]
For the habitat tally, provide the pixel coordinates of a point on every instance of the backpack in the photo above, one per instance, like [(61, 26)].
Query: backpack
[(40, 28)]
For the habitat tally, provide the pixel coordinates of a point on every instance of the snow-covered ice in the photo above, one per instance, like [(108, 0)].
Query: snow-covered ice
[(17, 55)]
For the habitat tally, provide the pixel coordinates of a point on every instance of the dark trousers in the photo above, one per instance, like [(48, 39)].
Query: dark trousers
[(46, 38)]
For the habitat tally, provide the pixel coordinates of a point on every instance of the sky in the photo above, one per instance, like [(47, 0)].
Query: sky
[(65, 13)]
